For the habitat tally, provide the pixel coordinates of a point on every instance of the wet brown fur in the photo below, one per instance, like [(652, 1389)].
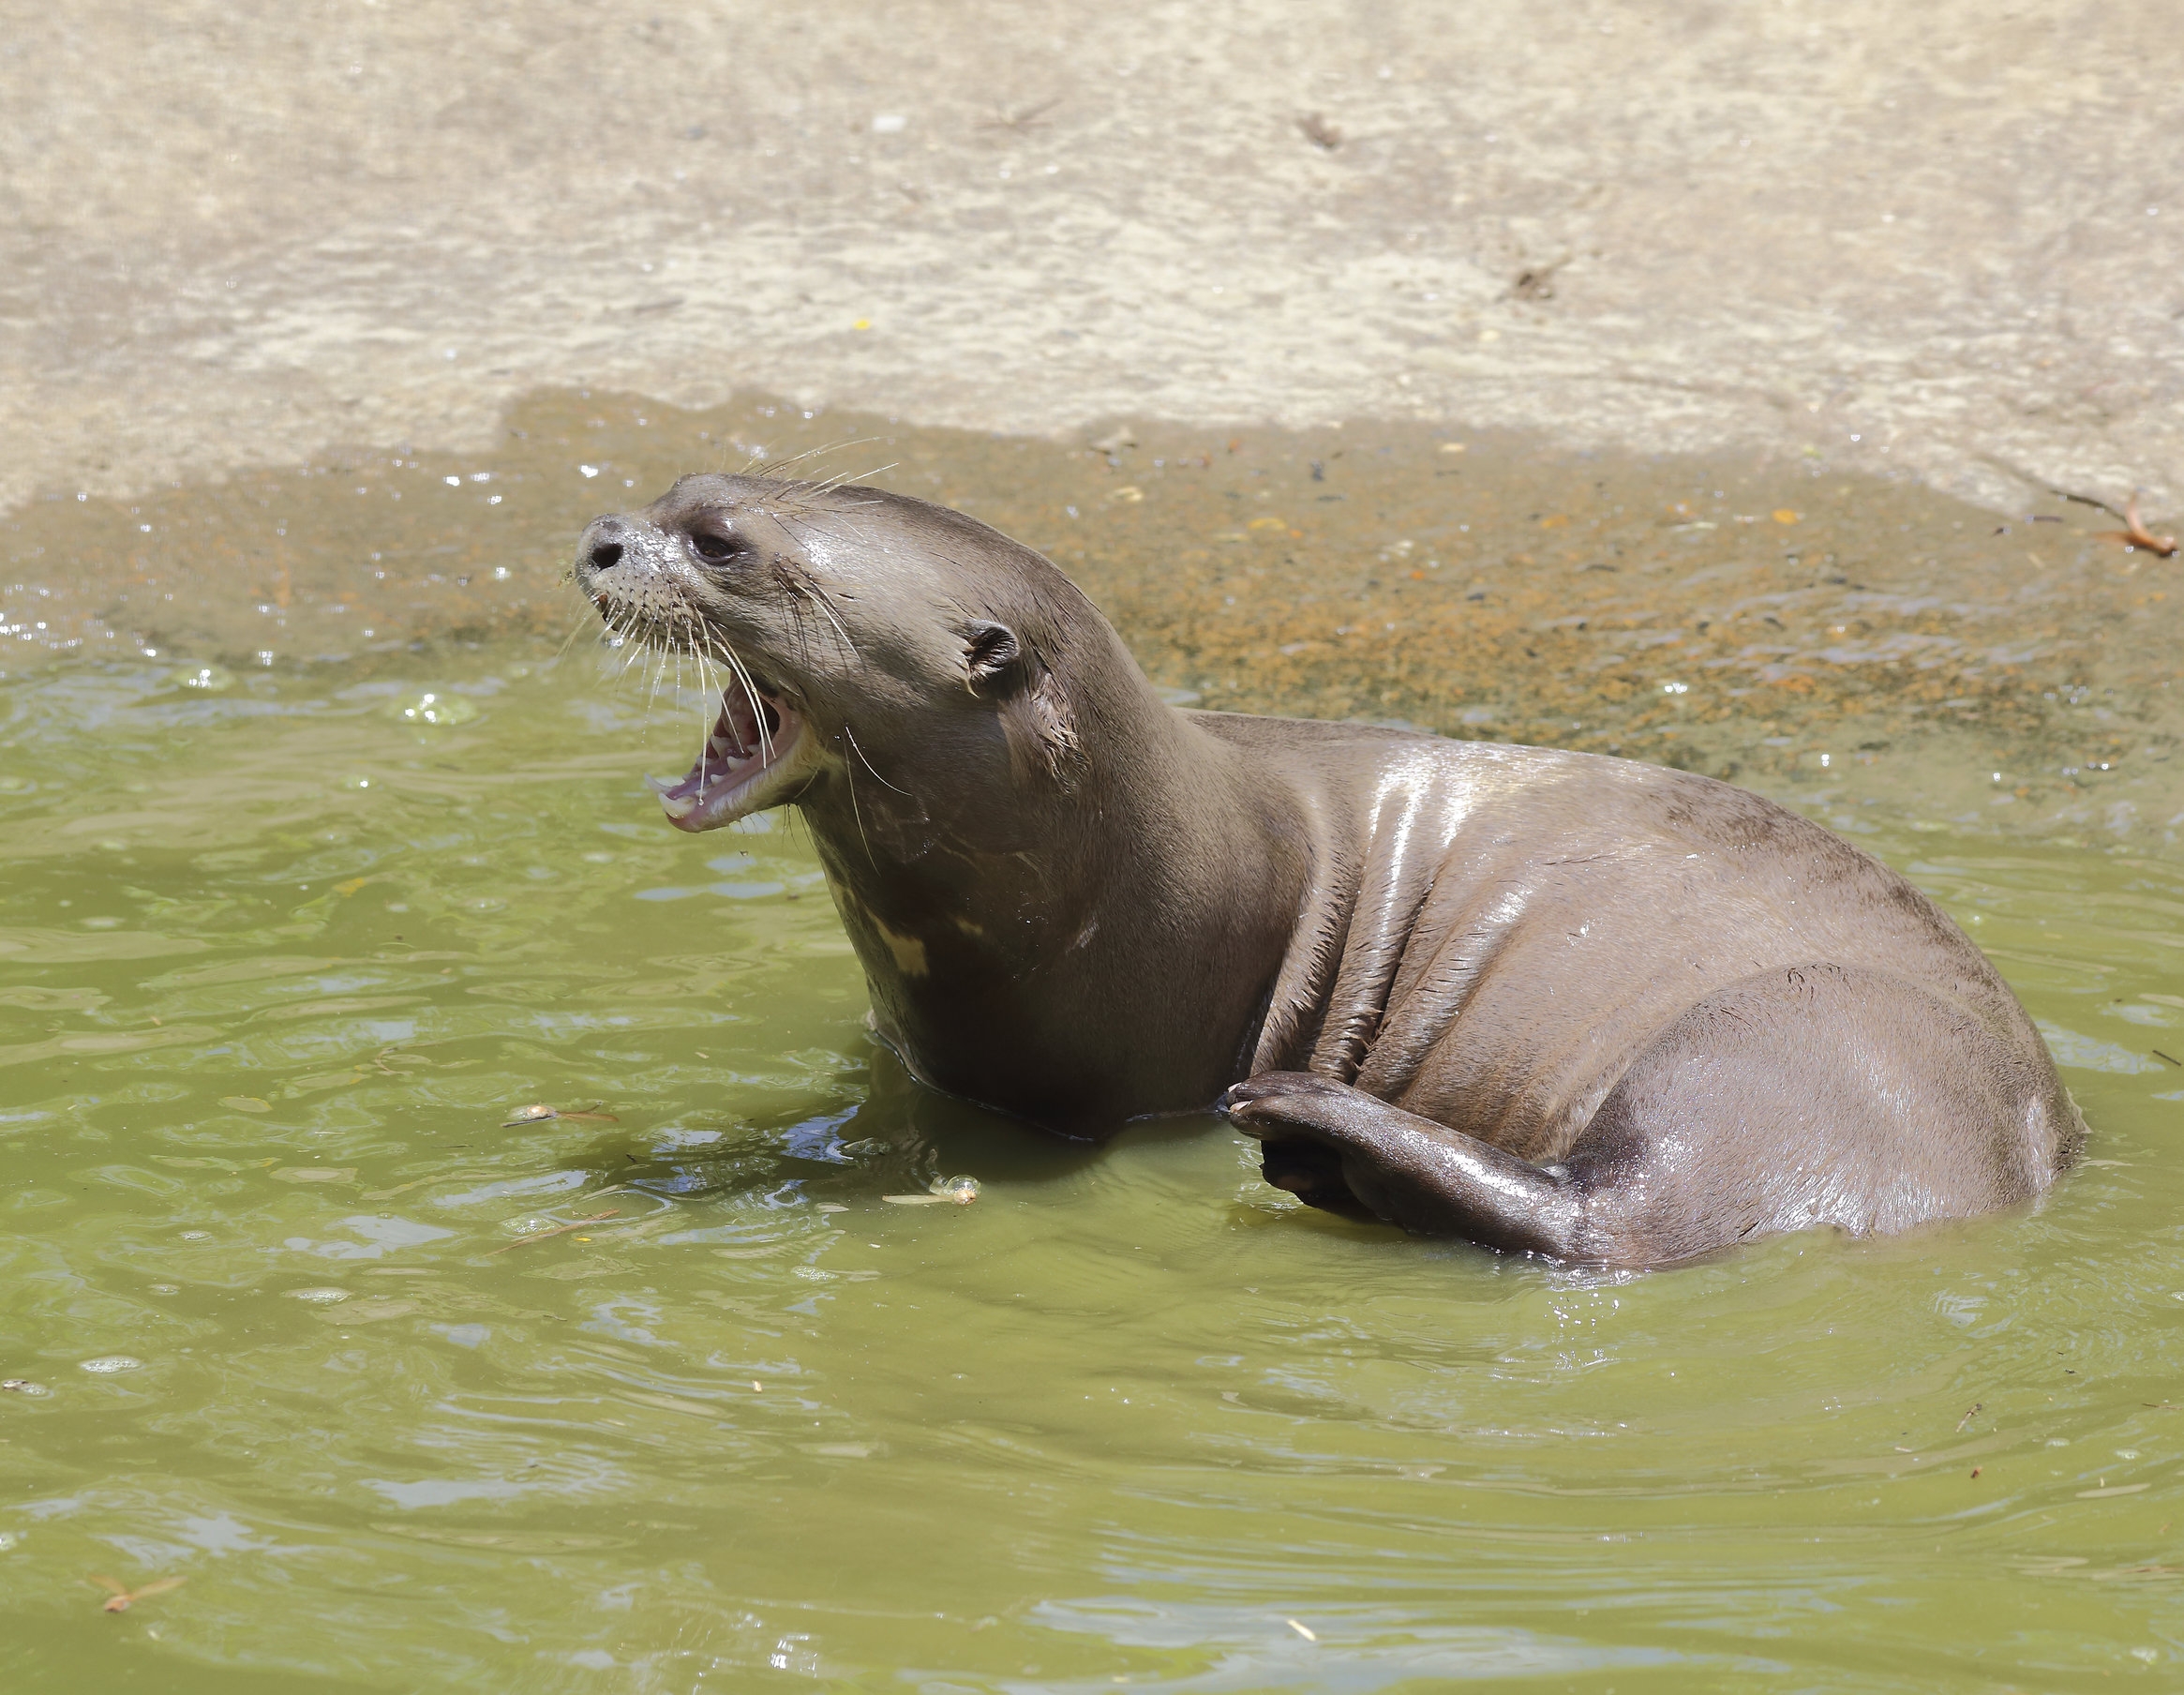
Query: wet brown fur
[(1544, 1000)]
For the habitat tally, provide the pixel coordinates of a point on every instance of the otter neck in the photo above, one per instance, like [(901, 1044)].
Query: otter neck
[(1104, 953)]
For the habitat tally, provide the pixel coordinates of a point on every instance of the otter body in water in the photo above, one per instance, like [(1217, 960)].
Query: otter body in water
[(1544, 1000)]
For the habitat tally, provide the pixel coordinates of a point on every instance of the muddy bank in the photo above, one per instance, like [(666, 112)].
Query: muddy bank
[(1770, 620)]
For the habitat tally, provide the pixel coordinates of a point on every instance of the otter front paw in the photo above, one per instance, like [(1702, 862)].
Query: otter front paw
[(1259, 1100)]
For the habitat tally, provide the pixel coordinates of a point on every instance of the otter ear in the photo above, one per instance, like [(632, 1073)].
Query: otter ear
[(993, 658)]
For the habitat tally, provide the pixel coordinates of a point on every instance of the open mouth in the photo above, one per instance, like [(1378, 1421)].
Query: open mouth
[(751, 741)]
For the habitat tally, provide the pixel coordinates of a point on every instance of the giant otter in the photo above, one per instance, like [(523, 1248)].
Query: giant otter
[(1548, 1001)]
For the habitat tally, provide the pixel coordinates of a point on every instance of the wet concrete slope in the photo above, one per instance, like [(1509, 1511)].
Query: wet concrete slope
[(1941, 240)]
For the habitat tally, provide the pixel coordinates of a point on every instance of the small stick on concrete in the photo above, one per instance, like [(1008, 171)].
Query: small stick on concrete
[(1326, 136)]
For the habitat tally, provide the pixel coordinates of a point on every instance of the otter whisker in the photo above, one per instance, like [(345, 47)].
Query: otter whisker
[(583, 623), (869, 765), (814, 453), (847, 478), (752, 696), (849, 777), (806, 590), (706, 710)]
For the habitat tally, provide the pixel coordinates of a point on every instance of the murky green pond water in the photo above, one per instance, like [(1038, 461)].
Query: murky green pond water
[(292, 1313)]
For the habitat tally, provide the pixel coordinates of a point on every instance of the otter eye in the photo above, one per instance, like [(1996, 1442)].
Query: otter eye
[(714, 547)]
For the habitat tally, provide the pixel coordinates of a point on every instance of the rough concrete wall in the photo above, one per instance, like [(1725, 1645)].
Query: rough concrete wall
[(1941, 238)]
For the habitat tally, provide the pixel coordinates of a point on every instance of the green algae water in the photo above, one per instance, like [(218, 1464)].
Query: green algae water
[(457, 1233), (697, 1385)]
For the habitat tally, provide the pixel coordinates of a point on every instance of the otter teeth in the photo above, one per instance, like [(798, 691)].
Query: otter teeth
[(745, 741)]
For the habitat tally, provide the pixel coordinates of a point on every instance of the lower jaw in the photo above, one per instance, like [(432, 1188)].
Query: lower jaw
[(737, 792)]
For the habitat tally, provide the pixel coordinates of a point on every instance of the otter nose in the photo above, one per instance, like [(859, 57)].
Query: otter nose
[(602, 546)]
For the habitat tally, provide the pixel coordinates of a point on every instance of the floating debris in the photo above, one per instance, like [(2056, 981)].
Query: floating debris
[(433, 708), (540, 1236), (538, 1112), (319, 1297), (1300, 1629), (122, 1598), (944, 1191), (23, 1386), (107, 1364), (245, 1104)]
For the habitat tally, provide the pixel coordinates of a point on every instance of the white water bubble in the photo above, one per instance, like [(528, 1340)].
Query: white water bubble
[(106, 1365), (319, 1297), (432, 706)]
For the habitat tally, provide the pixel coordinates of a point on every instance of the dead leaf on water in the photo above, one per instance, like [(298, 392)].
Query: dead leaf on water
[(539, 1112)]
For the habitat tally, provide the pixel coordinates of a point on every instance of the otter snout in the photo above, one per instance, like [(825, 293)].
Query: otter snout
[(626, 568), (604, 544)]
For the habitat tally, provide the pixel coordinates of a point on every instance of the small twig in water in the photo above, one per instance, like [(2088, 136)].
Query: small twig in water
[(2159, 1055), (583, 1223), (122, 1597), (540, 1112), (1969, 1415)]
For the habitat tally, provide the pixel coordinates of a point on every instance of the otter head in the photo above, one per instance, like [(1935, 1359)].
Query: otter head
[(894, 659)]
